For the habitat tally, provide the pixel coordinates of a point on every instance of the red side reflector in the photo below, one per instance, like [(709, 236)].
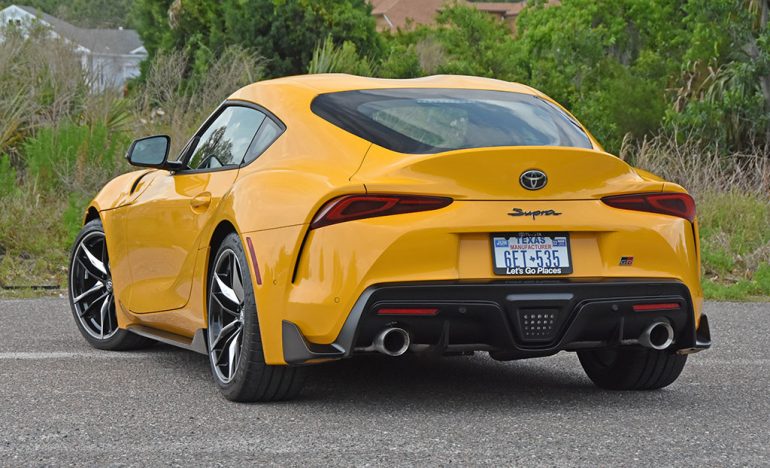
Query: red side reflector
[(257, 275), (663, 306), (422, 312)]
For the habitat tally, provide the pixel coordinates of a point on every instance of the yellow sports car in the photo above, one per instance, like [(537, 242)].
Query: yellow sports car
[(315, 218)]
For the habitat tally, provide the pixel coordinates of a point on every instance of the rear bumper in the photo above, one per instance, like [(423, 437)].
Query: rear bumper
[(517, 319)]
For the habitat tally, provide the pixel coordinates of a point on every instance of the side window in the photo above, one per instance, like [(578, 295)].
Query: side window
[(225, 141), (268, 133)]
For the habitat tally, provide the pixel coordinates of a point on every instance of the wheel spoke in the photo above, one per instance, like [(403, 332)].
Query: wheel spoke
[(97, 287), (224, 307), (111, 301), (227, 291), (226, 346), (232, 352), (91, 307), (105, 260), (237, 283), (95, 262), (102, 313), (226, 331)]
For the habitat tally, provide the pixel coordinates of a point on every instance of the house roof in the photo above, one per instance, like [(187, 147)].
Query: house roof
[(99, 41), (503, 9), (397, 13)]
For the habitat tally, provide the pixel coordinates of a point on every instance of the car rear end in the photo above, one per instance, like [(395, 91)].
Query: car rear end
[(490, 221)]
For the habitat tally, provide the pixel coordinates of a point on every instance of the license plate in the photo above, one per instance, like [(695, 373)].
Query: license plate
[(531, 253)]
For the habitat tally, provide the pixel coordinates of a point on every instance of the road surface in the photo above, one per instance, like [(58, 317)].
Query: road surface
[(65, 403)]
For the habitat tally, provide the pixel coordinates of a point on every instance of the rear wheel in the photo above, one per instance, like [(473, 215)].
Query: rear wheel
[(234, 342), (91, 295), (632, 368)]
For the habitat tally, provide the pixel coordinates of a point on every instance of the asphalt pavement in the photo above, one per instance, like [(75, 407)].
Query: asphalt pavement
[(63, 403)]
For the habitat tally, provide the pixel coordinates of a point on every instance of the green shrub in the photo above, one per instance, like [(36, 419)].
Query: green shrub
[(72, 157), (72, 216), (716, 257), (741, 218), (762, 279), (735, 244), (329, 58), (33, 243), (756, 287), (7, 177)]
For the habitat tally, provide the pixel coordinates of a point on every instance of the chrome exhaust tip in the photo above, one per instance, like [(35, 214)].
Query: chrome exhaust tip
[(392, 341), (658, 335)]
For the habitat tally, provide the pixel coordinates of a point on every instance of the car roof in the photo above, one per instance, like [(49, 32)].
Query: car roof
[(334, 82), (296, 92)]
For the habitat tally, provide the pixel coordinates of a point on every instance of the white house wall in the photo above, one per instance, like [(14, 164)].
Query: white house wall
[(107, 71)]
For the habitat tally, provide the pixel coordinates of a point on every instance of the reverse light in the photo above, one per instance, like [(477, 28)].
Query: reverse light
[(352, 207), (662, 306), (674, 204)]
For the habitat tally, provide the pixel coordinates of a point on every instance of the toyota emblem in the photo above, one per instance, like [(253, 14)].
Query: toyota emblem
[(533, 179)]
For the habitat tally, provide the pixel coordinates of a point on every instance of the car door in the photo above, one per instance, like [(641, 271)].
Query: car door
[(163, 225)]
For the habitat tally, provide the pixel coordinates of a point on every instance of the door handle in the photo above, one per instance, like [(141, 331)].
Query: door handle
[(201, 201)]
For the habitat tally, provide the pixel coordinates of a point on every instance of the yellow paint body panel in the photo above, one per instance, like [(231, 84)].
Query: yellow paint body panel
[(158, 234)]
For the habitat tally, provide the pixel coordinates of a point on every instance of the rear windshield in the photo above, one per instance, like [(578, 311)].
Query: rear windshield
[(436, 120)]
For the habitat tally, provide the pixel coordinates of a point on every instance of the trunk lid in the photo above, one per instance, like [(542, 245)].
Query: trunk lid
[(494, 173)]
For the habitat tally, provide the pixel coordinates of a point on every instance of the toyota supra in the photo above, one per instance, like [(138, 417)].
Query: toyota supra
[(322, 217)]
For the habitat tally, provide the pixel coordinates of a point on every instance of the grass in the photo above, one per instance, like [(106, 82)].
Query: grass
[(34, 241), (735, 241)]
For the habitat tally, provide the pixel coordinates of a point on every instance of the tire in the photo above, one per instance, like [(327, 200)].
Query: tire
[(91, 294), (234, 341), (632, 368)]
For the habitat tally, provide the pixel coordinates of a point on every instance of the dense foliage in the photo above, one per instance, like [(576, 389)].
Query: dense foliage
[(284, 32)]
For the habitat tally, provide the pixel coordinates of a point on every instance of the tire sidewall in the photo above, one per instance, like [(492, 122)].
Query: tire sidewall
[(251, 346), (117, 339)]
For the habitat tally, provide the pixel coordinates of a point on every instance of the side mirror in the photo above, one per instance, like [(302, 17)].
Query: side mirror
[(149, 152)]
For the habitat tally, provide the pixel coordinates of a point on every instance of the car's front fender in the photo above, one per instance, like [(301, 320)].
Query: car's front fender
[(118, 192)]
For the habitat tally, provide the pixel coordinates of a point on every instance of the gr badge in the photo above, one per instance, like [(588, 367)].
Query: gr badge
[(626, 261)]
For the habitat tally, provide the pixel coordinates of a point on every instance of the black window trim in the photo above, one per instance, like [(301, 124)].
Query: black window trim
[(187, 151)]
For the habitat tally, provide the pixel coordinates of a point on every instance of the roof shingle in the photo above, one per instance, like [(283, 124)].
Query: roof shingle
[(395, 14), (99, 41)]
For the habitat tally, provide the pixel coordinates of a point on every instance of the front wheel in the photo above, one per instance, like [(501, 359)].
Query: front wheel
[(90, 293), (632, 368), (234, 341)]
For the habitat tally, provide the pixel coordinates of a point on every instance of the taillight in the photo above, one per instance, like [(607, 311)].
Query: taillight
[(351, 207), (674, 204)]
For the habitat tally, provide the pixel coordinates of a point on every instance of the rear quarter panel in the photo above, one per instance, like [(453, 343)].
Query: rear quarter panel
[(340, 261)]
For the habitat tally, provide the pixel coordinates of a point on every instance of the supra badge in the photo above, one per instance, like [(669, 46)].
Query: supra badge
[(519, 212), (533, 179)]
